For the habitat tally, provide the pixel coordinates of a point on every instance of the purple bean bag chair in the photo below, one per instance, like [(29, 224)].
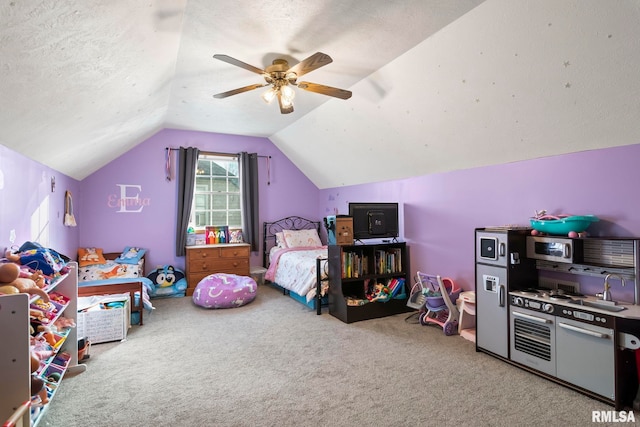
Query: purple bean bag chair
[(221, 290)]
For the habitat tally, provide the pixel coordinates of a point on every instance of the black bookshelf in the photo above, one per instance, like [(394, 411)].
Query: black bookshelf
[(352, 268)]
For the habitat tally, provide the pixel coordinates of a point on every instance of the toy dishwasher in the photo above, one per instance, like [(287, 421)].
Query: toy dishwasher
[(439, 302)]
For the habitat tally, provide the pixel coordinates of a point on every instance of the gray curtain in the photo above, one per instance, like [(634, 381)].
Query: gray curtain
[(187, 163), (249, 180)]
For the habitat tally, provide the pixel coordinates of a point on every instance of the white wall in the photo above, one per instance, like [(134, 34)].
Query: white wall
[(510, 80)]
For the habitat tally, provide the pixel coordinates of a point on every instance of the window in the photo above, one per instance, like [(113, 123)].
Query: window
[(216, 199)]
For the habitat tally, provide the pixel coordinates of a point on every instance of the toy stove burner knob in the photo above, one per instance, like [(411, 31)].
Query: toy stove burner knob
[(548, 308), (518, 302)]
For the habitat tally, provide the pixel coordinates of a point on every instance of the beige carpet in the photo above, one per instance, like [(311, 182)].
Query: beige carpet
[(275, 363)]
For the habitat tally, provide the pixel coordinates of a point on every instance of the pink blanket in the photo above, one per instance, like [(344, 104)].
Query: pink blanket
[(295, 269)]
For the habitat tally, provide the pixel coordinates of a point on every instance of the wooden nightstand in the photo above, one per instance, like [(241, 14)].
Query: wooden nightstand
[(204, 260)]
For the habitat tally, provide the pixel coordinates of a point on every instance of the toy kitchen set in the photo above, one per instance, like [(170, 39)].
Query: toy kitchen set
[(565, 308)]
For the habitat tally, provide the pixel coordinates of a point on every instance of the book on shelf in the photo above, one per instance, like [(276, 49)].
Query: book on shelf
[(354, 265), (396, 285), (388, 261)]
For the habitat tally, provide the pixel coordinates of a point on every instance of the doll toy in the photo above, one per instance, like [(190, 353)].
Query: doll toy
[(10, 276)]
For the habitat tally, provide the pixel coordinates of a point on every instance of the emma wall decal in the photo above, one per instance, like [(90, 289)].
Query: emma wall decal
[(129, 199)]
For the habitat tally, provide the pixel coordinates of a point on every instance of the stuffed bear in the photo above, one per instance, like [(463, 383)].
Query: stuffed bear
[(10, 276)]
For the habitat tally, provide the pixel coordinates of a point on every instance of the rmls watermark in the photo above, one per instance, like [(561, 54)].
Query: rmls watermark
[(613, 417)]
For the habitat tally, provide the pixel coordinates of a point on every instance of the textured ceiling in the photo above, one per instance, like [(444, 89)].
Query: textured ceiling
[(91, 79), (437, 85)]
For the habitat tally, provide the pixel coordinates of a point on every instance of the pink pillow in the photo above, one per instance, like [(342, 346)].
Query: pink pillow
[(280, 241), (302, 238)]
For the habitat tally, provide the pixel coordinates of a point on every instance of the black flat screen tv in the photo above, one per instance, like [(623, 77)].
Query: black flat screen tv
[(374, 220)]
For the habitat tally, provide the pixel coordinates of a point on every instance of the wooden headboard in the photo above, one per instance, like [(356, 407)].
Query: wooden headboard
[(288, 223), (111, 255)]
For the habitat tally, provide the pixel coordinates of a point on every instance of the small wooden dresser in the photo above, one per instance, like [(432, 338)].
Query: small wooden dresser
[(203, 260)]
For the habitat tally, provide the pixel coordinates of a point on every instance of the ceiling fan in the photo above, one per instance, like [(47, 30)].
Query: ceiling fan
[(281, 77)]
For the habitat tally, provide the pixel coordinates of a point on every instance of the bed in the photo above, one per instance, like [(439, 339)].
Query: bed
[(115, 273), (296, 259)]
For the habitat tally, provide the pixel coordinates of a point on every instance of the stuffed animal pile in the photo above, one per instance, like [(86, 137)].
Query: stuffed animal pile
[(30, 270)]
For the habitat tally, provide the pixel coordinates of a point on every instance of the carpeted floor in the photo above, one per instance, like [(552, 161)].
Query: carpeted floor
[(275, 363)]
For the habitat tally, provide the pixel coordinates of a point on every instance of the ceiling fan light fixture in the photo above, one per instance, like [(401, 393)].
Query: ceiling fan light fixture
[(286, 106), (286, 103), (287, 93), (270, 94), (291, 76)]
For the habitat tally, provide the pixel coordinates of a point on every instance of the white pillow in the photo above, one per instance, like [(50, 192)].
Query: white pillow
[(301, 238), (280, 243)]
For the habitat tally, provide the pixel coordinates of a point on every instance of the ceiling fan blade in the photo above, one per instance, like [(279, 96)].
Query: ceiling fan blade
[(325, 90), (313, 62), (238, 63), (239, 90), (284, 109)]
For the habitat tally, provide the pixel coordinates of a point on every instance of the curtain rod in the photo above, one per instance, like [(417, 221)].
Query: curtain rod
[(212, 153)]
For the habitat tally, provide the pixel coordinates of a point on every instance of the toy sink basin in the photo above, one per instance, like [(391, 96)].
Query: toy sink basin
[(563, 226)]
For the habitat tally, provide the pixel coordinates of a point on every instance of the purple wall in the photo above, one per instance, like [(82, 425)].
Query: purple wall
[(30, 208), (441, 211), (151, 224)]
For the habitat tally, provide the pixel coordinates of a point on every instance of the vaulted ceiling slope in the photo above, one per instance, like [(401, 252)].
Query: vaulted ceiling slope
[(438, 85), (85, 81)]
